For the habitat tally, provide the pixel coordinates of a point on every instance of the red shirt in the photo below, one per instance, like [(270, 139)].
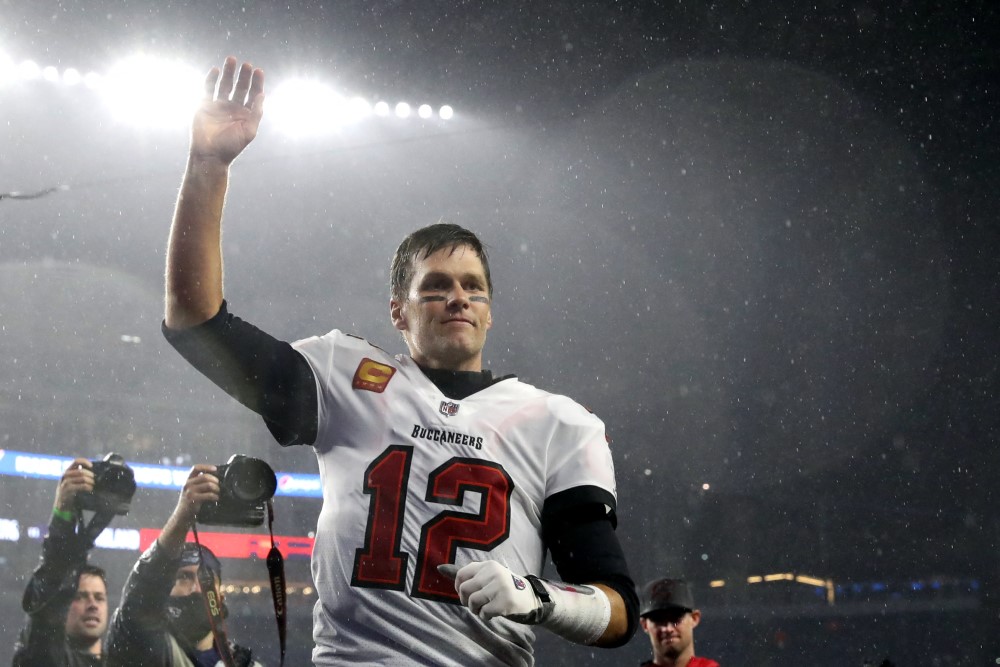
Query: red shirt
[(695, 661), (702, 662)]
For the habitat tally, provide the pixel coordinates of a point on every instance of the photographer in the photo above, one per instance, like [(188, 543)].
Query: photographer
[(66, 599), (162, 620)]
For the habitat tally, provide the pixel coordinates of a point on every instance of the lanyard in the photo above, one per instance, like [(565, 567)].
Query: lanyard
[(213, 606), (276, 576)]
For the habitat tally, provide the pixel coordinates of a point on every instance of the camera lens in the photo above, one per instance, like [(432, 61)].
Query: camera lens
[(251, 480)]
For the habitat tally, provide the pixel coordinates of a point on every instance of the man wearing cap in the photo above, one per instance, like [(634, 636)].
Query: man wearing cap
[(668, 615), (163, 620)]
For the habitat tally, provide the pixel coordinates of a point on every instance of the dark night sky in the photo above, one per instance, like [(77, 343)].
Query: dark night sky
[(758, 239)]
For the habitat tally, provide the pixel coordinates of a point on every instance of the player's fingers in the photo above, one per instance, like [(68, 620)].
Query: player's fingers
[(226, 81), (467, 572), (242, 83), (449, 570), (256, 87), (211, 80), (469, 588), (476, 602)]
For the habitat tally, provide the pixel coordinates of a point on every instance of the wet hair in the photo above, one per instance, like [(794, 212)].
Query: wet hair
[(93, 571), (425, 242)]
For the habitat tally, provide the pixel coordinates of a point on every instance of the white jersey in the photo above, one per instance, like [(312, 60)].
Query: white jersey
[(413, 479)]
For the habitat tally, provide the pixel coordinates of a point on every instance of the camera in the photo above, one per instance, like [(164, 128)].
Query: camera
[(245, 485), (114, 486)]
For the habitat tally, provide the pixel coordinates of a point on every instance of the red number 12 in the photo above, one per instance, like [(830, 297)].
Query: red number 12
[(381, 564)]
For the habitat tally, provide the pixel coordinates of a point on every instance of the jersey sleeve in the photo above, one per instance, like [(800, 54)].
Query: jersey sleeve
[(579, 457), (337, 363), (258, 370)]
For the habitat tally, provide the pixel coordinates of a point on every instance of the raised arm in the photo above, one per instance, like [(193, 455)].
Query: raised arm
[(225, 124)]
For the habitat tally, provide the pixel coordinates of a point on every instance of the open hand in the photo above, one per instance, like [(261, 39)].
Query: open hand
[(230, 113)]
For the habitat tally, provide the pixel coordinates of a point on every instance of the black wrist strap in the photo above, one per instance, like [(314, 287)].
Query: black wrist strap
[(543, 597), (539, 588)]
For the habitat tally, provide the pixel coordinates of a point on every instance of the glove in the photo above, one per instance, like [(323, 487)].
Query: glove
[(577, 612), (489, 590)]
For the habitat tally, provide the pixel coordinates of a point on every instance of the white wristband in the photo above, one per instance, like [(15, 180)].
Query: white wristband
[(575, 612)]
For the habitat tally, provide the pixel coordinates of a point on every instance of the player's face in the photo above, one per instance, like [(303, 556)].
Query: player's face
[(87, 618), (671, 634), (446, 314)]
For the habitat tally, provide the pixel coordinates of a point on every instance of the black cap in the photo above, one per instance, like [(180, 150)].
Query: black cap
[(194, 554), (665, 594)]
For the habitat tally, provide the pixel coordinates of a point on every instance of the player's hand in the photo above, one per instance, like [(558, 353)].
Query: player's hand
[(489, 590), (230, 113), (77, 478), (200, 487)]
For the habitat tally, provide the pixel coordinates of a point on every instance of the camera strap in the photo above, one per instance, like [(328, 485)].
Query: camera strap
[(94, 527), (213, 606), (276, 574)]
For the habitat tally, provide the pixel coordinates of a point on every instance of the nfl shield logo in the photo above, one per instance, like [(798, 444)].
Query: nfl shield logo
[(448, 409)]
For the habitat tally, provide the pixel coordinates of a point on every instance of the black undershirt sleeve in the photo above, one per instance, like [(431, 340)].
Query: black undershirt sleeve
[(263, 373), (581, 538)]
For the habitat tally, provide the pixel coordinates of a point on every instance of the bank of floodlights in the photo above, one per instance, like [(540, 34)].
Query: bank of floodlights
[(160, 93)]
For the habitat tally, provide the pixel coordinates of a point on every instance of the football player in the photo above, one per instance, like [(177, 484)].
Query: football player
[(444, 486)]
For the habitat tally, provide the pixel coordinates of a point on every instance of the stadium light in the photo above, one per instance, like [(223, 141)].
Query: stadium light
[(152, 92), (160, 93), (71, 76), (93, 80), (302, 107), (7, 70), (360, 108), (29, 70)]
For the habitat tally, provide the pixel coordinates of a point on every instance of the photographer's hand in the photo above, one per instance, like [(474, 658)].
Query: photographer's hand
[(77, 478), (202, 486)]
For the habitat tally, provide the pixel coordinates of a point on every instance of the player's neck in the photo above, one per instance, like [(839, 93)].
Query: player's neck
[(457, 384)]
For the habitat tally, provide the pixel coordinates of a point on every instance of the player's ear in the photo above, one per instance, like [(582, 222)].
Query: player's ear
[(396, 315), (489, 320)]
